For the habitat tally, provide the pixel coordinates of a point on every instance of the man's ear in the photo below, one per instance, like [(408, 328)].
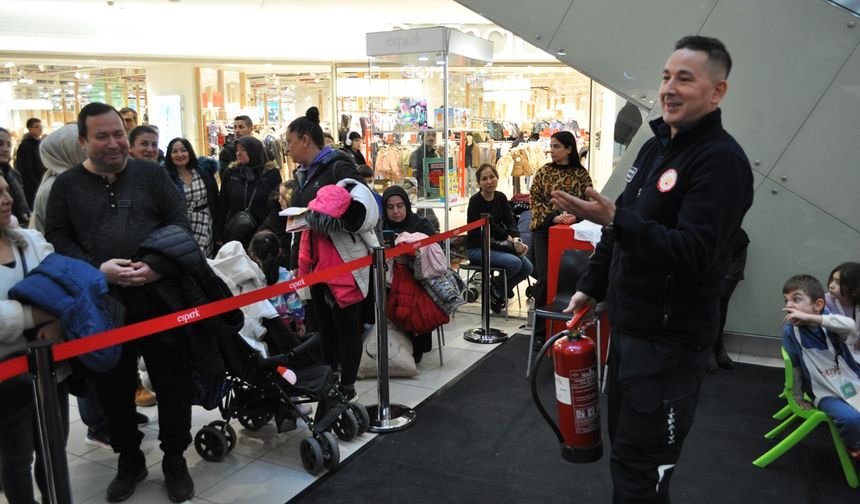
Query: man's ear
[(82, 141), (720, 91)]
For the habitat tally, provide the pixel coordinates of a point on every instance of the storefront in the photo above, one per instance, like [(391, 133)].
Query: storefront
[(518, 98)]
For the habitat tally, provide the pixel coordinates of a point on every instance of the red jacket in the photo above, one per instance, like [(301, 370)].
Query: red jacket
[(409, 306)]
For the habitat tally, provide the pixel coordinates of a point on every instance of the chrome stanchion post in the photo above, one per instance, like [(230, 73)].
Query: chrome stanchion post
[(49, 419), (384, 417), (485, 334)]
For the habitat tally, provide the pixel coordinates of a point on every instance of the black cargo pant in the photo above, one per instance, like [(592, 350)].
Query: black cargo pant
[(653, 387)]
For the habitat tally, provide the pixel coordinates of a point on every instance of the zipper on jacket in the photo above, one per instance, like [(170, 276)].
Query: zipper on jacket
[(668, 302)]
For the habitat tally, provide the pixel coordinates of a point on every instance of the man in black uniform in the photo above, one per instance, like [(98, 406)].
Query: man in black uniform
[(100, 211), (665, 248)]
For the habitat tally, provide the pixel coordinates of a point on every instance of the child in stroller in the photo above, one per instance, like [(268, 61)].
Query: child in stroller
[(255, 391)]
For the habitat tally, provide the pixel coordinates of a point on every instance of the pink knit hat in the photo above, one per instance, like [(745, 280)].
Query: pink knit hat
[(331, 200)]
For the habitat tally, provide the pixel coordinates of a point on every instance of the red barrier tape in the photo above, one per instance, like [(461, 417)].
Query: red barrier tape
[(69, 349)]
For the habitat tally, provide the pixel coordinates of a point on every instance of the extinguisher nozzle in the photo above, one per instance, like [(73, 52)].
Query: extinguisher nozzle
[(582, 455)]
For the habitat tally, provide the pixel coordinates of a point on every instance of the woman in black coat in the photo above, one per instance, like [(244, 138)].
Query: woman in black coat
[(247, 184)]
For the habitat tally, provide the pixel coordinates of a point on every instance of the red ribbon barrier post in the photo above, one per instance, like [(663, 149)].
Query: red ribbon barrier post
[(485, 334)]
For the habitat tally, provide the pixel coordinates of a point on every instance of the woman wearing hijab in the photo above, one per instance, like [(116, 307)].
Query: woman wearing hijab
[(246, 185), (59, 151), (398, 217)]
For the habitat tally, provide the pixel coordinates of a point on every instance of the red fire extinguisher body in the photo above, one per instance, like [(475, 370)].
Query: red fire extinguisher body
[(577, 397)]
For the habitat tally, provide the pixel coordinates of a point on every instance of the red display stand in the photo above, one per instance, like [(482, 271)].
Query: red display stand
[(560, 239)]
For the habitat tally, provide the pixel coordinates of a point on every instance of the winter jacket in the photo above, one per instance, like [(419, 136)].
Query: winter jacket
[(241, 274), (409, 306), (188, 281), (16, 317), (238, 184), (20, 208), (29, 165), (340, 229), (76, 293), (446, 290), (661, 268), (330, 166)]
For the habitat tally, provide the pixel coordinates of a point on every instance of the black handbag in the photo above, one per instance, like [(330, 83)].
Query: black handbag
[(503, 246), (242, 225)]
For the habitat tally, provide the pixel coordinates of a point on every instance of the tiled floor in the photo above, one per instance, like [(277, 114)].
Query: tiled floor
[(265, 466)]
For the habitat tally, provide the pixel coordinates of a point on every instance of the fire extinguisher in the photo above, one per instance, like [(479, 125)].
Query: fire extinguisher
[(576, 391)]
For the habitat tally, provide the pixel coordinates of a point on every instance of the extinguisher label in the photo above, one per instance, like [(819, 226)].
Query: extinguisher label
[(583, 398), (562, 389)]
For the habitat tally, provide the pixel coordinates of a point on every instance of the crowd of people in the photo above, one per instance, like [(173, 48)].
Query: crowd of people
[(136, 226)]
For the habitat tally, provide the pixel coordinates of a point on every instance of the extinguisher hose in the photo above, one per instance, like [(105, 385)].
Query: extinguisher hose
[(533, 383)]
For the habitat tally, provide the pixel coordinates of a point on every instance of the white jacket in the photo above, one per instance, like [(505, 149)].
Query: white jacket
[(15, 318)]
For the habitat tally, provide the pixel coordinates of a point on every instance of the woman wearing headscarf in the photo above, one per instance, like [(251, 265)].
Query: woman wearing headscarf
[(59, 151), (564, 173), (398, 217), (246, 185)]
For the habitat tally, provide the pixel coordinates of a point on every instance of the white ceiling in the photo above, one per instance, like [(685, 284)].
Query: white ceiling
[(236, 30)]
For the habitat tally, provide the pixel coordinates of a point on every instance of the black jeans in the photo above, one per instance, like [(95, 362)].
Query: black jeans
[(540, 244), (652, 396), (340, 329), (726, 290), (19, 438), (170, 371), (17, 442)]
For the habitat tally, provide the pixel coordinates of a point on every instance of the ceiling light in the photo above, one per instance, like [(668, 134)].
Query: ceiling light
[(561, 51), (423, 58), (41, 68), (77, 75), (440, 62), (9, 64)]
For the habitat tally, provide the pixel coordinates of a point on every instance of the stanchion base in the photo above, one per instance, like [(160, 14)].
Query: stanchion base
[(478, 335), (400, 417)]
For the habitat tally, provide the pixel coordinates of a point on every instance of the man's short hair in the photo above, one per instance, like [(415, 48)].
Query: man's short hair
[(91, 110), (806, 284), (140, 130), (248, 121), (718, 55), (128, 109), (32, 122)]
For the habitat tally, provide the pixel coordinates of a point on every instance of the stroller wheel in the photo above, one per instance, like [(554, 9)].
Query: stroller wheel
[(331, 452), (210, 444), (346, 426), (312, 455), (360, 412), (227, 430), (255, 421)]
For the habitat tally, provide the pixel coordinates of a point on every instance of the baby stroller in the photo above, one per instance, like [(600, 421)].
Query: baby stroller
[(255, 393)]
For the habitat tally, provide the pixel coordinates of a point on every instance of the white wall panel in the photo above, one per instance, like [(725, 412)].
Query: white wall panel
[(529, 19), (788, 236), (821, 164), (624, 44), (786, 53)]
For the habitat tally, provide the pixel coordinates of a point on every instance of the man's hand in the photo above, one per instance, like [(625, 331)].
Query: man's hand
[(116, 271), (144, 273), (579, 300), (600, 210), (50, 332)]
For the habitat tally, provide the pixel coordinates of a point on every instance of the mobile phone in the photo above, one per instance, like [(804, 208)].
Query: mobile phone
[(388, 237)]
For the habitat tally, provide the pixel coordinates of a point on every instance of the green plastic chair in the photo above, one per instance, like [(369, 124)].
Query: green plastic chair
[(811, 418)]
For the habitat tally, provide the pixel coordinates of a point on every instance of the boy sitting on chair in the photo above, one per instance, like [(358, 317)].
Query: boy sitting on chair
[(815, 342)]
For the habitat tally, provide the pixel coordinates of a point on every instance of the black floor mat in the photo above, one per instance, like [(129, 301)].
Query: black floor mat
[(482, 441)]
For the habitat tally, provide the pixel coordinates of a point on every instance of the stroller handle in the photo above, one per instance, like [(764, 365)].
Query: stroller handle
[(310, 343)]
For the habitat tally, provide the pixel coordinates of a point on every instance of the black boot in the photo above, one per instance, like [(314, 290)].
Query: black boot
[(131, 468), (180, 487)]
